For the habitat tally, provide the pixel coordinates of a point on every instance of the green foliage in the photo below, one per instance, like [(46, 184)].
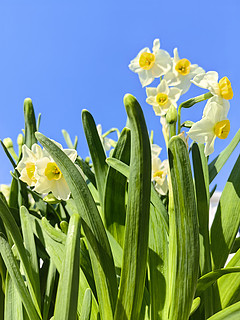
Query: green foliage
[(117, 249)]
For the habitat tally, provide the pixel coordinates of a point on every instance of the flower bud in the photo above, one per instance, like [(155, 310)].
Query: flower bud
[(8, 143), (20, 139), (51, 199), (171, 115)]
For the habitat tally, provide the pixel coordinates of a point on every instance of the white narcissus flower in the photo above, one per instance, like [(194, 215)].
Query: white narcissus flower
[(222, 104), (27, 166), (159, 171), (209, 80), (162, 97), (182, 72), (151, 65), (214, 124), (49, 176)]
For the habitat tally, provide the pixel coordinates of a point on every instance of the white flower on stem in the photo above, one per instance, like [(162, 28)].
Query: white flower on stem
[(27, 166), (106, 142), (49, 176), (214, 124), (151, 65), (209, 81), (159, 171), (182, 72), (222, 104), (162, 97)]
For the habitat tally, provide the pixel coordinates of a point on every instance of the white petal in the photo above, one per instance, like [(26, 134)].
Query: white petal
[(150, 91), (71, 153), (171, 79), (174, 94), (156, 45), (159, 111), (155, 150), (61, 190), (209, 147), (163, 87), (176, 56), (201, 130), (152, 101), (222, 104), (145, 77)]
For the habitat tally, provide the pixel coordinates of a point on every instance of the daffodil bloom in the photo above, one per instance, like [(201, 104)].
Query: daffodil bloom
[(209, 80), (162, 97), (159, 171), (182, 72), (27, 166), (49, 176), (151, 65), (214, 124)]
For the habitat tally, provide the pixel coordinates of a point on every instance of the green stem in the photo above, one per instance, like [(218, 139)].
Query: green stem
[(172, 129), (189, 103)]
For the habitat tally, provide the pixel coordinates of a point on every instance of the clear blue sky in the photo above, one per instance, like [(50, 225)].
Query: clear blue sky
[(70, 55)]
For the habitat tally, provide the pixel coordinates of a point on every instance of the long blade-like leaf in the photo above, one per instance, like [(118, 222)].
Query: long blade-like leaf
[(67, 293), (13, 303), (183, 233), (137, 220), (227, 219), (87, 305), (230, 313), (104, 270), (30, 123)]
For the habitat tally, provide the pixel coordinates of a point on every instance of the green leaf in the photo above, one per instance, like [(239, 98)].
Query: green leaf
[(227, 219), (97, 152), (183, 233), (29, 243), (68, 139), (137, 219), (208, 279), (115, 189), (13, 303), (16, 276), (236, 245), (104, 270), (216, 165), (87, 305), (200, 167), (195, 305), (12, 227), (67, 293), (155, 199), (230, 313), (48, 294), (30, 123)]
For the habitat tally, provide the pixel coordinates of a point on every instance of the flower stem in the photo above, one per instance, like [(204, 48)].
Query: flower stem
[(189, 103)]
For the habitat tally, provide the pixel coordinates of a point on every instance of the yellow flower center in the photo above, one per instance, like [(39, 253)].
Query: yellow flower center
[(158, 174), (222, 128), (30, 168), (183, 67), (52, 172), (146, 60), (162, 99), (225, 88)]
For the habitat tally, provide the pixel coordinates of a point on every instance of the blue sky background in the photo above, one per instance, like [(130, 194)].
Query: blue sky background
[(71, 55)]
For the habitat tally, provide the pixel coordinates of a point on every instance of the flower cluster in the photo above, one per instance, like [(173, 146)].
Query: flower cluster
[(176, 76), (38, 169)]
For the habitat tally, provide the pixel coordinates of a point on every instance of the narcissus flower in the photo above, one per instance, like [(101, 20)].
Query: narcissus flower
[(209, 80), (162, 97), (27, 166), (151, 65), (182, 72), (214, 124), (159, 171), (49, 176)]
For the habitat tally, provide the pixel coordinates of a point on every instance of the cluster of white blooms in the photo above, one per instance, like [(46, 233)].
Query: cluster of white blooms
[(176, 76), (38, 169)]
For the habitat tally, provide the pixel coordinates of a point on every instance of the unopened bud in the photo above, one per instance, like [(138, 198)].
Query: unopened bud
[(20, 139), (8, 143), (51, 199), (171, 115)]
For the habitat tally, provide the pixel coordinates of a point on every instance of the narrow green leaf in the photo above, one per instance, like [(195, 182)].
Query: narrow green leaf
[(8, 154), (230, 313), (208, 279), (195, 305), (13, 308), (96, 150), (30, 123), (87, 305), (137, 219), (2, 300), (29, 244), (229, 285), (68, 139), (115, 189), (67, 293), (236, 245), (16, 276), (184, 234), (48, 294), (227, 219), (86, 170), (155, 199), (216, 165), (104, 270), (201, 177), (12, 227)]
